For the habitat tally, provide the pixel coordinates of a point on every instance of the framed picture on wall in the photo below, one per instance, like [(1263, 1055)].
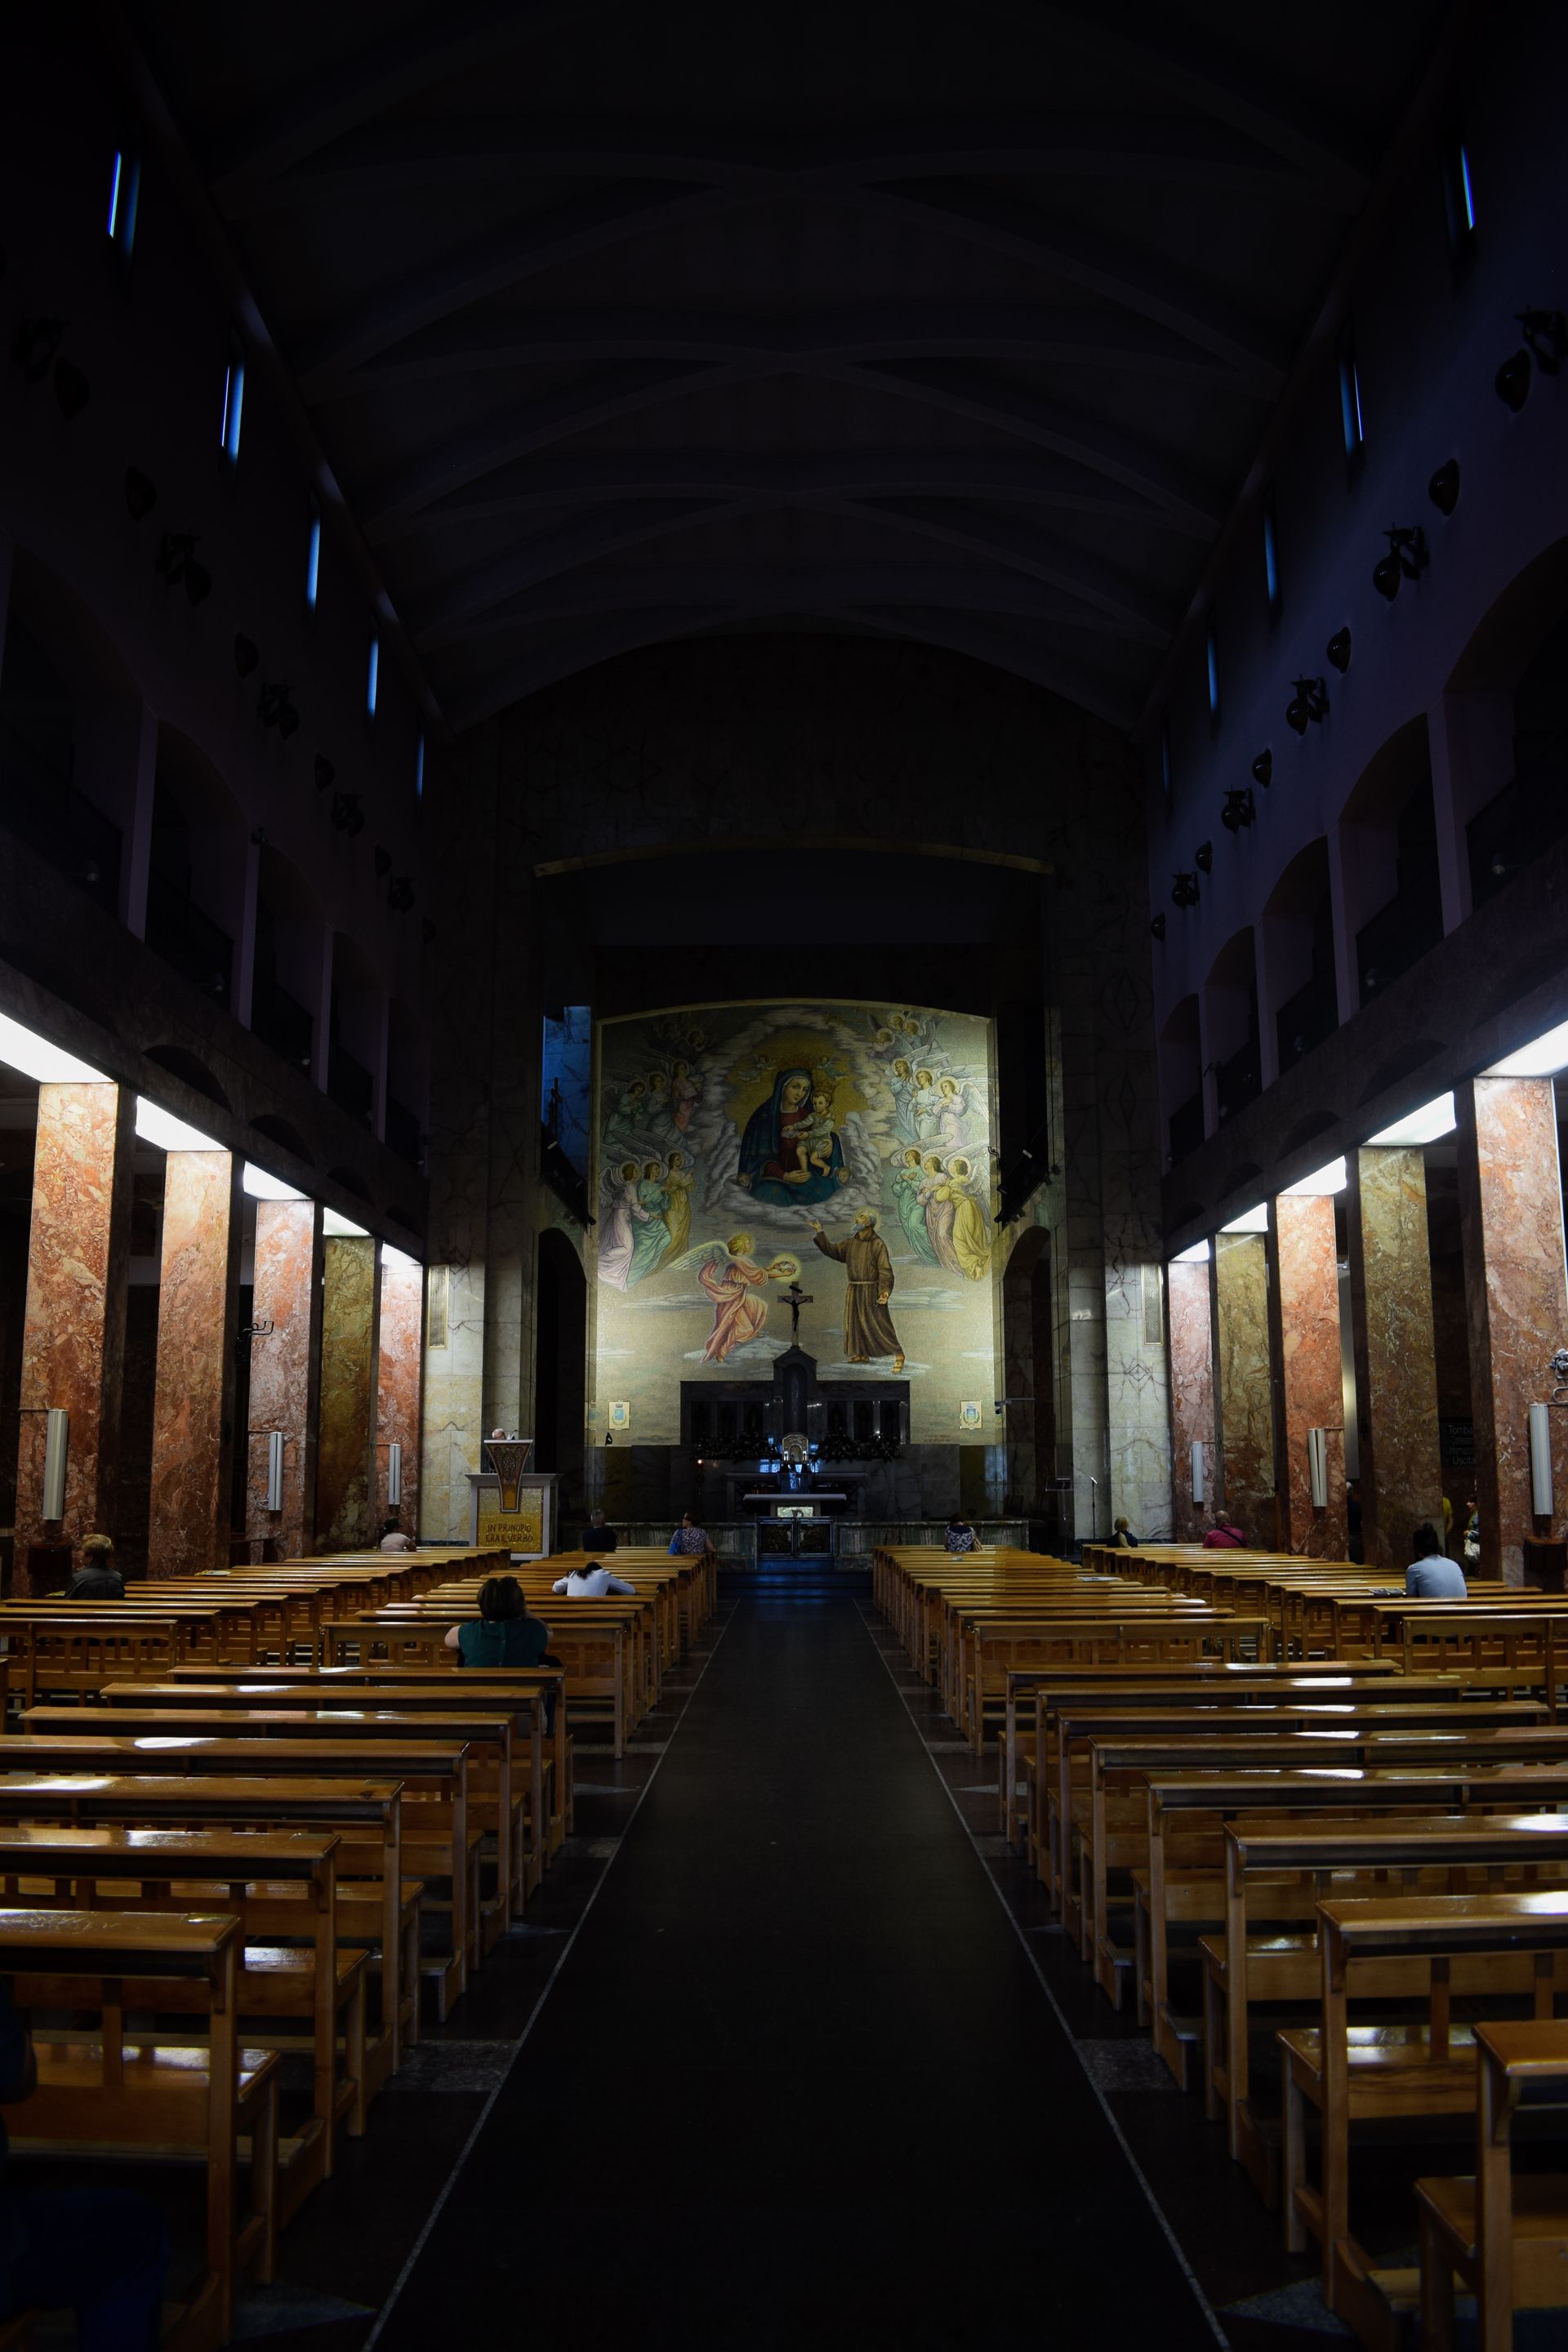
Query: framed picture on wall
[(620, 1415), (969, 1413)]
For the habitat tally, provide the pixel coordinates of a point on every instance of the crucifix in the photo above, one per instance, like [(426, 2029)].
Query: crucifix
[(795, 1299)]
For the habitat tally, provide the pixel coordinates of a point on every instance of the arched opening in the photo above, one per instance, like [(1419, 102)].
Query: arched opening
[(287, 984), (354, 1042), (1299, 954), (407, 1083), (1232, 1004), (70, 714), (1029, 1417), (560, 1367), (1393, 898), (1512, 676), (195, 879), (182, 1064), (1181, 1071)]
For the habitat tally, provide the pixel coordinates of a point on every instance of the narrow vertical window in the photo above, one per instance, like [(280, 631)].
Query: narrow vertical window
[(116, 183), (419, 767), (1271, 557), (1466, 190), (1210, 654), (233, 400), (373, 675), (312, 557), (1351, 414), (1458, 198), (124, 183)]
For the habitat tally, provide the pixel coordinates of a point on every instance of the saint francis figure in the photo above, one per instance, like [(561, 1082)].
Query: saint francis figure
[(867, 1326)]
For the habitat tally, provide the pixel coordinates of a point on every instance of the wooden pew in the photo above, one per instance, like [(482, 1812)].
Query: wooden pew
[(124, 2093), (1430, 2071), (1506, 2237), (597, 1653), (1242, 1966), (181, 1870), (367, 1816), (1182, 1801)]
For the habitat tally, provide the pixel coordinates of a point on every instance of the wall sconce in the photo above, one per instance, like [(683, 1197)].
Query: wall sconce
[(1546, 333), (1310, 703), (1203, 857), (400, 893), (1199, 1490), (1540, 1500), (274, 708), (1157, 927), (1443, 489), (1241, 810), (175, 563), (1407, 558), (246, 654), (275, 1469), (347, 815), (1338, 650), (1318, 1467), (1263, 769), (1185, 890), (140, 494), (56, 1453), (393, 1474)]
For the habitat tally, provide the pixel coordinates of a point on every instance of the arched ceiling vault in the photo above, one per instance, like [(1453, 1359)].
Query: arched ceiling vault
[(620, 324)]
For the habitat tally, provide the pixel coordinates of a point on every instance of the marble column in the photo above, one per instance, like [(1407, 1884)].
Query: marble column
[(285, 1377), (1304, 1309), (1244, 1401), (73, 1345), (193, 1398), (345, 1454), (1188, 1288), (1516, 1290), (399, 1364), (1395, 1364)]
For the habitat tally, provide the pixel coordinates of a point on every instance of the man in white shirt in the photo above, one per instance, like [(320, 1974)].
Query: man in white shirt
[(590, 1583), (1431, 1576)]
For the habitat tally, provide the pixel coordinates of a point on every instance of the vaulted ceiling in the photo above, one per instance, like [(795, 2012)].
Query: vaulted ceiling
[(620, 322)]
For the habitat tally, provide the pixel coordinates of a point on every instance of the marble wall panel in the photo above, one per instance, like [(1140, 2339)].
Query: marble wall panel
[(73, 1340), (193, 1399), (345, 1446), (1305, 1305), (1511, 1201), (1189, 1291), (285, 1377), (399, 1364), (1396, 1368), (1244, 1387)]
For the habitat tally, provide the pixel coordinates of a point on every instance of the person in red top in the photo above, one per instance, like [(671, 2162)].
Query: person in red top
[(1224, 1535)]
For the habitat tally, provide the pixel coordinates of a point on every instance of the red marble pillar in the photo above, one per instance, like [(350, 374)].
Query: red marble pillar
[(1191, 1311), (189, 1521), (1395, 1364), (345, 1449), (1516, 1289), (399, 1365), (1304, 1315), (285, 1377), (73, 1341), (1243, 1388)]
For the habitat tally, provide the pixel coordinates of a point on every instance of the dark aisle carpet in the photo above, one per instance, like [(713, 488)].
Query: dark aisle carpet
[(797, 2083)]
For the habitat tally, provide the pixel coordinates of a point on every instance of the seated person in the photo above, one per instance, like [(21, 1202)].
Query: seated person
[(690, 1541), (97, 1579), (505, 1635), (1123, 1537), (393, 1538), (1225, 1535), (590, 1583), (1431, 1575), (103, 2253), (598, 1537), (961, 1537)]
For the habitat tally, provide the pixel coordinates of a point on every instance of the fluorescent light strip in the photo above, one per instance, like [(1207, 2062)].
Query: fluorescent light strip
[(1541, 1059), (263, 1187), (341, 1228), (162, 1128), (1251, 1221), (22, 1049), (1198, 1256), (1321, 1184), (1427, 1125), (398, 1258)]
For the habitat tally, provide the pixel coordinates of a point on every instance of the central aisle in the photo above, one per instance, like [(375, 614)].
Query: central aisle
[(797, 2082)]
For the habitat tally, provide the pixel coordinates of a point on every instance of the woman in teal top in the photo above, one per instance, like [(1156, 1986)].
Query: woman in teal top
[(505, 1635)]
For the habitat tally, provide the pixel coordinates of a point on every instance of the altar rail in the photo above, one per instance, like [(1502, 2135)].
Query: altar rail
[(735, 1541)]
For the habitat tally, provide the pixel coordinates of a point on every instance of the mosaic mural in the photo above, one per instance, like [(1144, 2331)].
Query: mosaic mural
[(759, 1162)]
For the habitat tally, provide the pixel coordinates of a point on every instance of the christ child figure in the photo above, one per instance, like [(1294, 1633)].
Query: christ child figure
[(813, 1143)]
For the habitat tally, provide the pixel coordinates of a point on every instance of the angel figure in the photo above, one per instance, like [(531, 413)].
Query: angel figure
[(678, 1182), (732, 1278)]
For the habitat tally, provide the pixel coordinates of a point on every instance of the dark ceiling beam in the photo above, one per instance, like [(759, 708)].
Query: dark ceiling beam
[(1020, 476), (394, 67), (471, 273), (1101, 340), (388, 160), (634, 631), (744, 585), (525, 431), (1143, 282), (1139, 49)]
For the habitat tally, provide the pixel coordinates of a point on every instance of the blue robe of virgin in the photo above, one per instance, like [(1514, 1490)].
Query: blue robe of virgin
[(766, 1153)]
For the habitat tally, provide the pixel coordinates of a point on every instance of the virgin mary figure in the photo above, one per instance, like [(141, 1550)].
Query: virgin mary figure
[(775, 1161)]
